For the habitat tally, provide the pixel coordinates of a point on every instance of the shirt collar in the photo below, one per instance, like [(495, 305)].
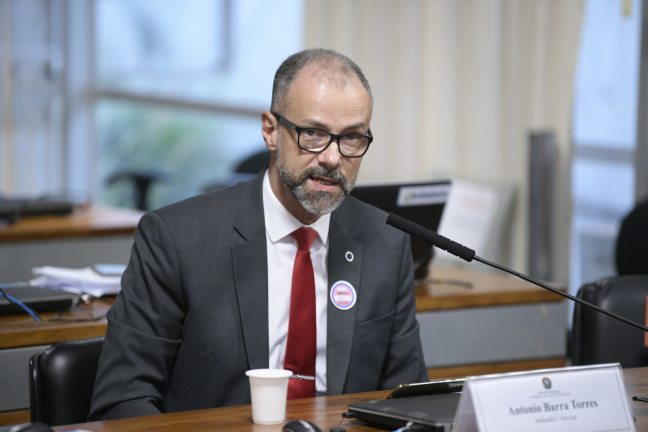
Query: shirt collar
[(280, 223)]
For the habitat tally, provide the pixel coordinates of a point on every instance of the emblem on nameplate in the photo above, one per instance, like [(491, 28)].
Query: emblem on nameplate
[(546, 382)]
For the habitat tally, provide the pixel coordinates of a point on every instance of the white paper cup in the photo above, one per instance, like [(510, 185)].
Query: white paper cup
[(269, 389)]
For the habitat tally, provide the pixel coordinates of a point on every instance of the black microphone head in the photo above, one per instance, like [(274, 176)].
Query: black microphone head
[(411, 228), (430, 236)]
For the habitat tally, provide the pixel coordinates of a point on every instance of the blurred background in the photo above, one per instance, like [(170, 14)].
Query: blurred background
[(537, 106)]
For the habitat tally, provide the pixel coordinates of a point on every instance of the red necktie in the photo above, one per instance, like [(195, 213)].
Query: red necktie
[(302, 332)]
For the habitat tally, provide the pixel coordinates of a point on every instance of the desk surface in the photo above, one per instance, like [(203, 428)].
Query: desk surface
[(442, 292), (84, 222), (21, 330), (325, 412)]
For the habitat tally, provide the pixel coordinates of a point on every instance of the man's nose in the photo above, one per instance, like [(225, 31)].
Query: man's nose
[(331, 157)]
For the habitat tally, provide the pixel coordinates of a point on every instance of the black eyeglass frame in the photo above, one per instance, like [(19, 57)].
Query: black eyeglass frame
[(333, 136)]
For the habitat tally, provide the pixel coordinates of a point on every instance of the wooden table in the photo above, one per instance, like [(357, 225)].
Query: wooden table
[(18, 331), (87, 236), (445, 290), (477, 312), (84, 222), (325, 412)]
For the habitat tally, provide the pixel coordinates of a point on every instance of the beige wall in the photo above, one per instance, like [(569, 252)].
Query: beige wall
[(458, 84)]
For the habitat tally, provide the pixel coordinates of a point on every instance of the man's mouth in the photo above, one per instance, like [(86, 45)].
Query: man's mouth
[(324, 181)]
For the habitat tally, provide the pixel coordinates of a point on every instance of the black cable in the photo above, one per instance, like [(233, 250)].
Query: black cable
[(92, 318), (86, 299), (35, 315)]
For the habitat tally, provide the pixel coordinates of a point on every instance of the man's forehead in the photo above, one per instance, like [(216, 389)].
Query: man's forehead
[(337, 77), (314, 77)]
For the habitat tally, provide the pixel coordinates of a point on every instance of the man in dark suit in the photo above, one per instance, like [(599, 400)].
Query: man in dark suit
[(207, 293)]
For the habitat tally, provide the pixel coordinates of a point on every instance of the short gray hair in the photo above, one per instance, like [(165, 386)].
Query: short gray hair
[(328, 60)]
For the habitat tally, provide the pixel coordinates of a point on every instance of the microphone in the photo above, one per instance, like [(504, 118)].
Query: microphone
[(431, 237), (468, 254)]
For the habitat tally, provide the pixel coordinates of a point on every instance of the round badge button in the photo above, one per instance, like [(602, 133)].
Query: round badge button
[(343, 295)]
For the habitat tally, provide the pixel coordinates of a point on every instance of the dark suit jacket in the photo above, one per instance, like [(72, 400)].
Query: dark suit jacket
[(192, 316)]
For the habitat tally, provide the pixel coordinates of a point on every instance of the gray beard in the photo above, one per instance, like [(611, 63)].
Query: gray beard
[(319, 202)]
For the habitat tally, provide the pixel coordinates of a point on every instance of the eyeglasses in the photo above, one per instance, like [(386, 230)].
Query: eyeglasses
[(316, 140)]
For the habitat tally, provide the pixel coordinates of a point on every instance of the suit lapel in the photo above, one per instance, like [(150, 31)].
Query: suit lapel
[(341, 323), (250, 265)]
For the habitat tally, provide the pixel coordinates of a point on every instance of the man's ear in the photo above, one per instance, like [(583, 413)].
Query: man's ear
[(269, 130)]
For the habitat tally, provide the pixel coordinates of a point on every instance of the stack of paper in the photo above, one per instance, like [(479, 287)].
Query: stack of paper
[(82, 281)]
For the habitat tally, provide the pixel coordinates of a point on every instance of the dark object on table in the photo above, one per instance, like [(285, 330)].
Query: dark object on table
[(436, 412), (40, 299), (12, 209), (300, 426), (597, 338), (61, 381), (426, 388)]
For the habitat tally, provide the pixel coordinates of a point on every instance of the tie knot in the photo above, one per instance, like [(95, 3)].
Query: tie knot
[(305, 238)]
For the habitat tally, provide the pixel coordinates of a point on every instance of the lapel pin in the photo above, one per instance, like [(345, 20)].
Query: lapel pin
[(343, 295), (348, 256)]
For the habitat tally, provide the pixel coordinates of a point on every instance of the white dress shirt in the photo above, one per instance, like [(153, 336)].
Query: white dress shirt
[(282, 249)]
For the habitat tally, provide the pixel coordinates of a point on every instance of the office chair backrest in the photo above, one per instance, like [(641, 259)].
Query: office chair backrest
[(254, 163), (632, 242), (61, 381), (597, 338)]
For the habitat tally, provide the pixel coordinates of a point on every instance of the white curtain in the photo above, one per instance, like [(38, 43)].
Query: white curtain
[(458, 85)]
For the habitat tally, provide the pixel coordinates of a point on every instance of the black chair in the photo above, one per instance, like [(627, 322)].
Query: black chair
[(632, 242), (598, 338), (245, 170), (254, 163), (61, 381), (142, 182)]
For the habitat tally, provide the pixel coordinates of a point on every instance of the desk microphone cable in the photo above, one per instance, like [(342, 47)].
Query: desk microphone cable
[(85, 298), (412, 427), (18, 303)]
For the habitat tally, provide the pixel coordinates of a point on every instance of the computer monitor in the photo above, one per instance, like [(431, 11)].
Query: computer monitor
[(422, 203)]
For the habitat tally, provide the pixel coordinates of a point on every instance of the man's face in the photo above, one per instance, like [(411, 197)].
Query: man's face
[(321, 181)]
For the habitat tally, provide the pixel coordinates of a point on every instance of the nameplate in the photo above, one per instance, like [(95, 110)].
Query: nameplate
[(573, 399)]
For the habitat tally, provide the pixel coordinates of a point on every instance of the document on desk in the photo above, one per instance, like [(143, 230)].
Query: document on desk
[(81, 281), (574, 399)]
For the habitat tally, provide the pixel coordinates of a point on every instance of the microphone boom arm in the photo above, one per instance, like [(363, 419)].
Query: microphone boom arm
[(468, 254)]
